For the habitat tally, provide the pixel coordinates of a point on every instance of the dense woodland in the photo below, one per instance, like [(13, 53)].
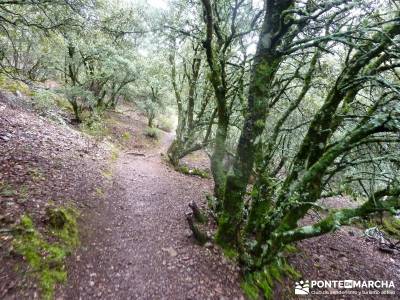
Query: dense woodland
[(292, 100)]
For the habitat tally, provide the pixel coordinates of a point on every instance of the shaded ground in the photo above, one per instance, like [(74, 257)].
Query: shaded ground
[(346, 254), (41, 163), (135, 240), (137, 244)]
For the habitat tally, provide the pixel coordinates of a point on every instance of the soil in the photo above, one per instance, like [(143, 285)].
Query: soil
[(346, 254), (137, 243)]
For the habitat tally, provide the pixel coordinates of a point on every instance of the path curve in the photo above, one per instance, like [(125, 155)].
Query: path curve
[(136, 244)]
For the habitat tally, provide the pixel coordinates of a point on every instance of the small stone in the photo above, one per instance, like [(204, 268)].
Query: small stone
[(171, 251), (208, 245), (91, 283)]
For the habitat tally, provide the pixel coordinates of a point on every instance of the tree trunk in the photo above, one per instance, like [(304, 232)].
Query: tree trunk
[(174, 151), (264, 68)]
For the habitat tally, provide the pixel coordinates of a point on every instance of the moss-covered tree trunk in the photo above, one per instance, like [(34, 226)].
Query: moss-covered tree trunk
[(266, 62), (185, 141)]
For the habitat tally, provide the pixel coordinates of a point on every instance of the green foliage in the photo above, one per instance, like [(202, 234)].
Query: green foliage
[(94, 125), (7, 190), (165, 124), (231, 253), (46, 260), (153, 133), (249, 288), (14, 86), (99, 192), (107, 174), (44, 100), (23, 193), (391, 225), (212, 203), (263, 281), (126, 137)]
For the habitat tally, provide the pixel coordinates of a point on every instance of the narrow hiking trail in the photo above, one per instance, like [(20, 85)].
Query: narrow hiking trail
[(136, 243)]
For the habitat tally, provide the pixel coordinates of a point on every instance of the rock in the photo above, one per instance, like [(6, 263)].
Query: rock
[(6, 136), (171, 251), (208, 245)]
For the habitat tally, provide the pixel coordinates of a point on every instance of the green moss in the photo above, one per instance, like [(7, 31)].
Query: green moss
[(64, 226), (63, 104), (99, 192), (231, 253), (126, 137), (23, 194), (224, 229), (46, 260), (263, 281), (391, 225), (194, 171), (114, 154), (14, 86), (6, 190), (250, 289), (107, 174)]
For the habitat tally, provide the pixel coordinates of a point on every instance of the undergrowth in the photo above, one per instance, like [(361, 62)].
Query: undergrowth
[(152, 133), (14, 86), (260, 284), (46, 256), (193, 171), (94, 125)]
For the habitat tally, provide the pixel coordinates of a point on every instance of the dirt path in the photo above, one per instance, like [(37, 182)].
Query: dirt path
[(137, 245)]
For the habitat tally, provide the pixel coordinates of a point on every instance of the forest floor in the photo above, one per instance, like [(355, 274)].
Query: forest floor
[(135, 242), (134, 239), (138, 245)]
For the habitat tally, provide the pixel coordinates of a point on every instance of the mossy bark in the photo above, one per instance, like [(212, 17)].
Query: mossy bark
[(263, 72)]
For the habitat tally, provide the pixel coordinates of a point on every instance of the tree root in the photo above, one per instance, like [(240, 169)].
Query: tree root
[(198, 215)]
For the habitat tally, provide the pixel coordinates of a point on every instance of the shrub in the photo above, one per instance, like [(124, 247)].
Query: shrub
[(14, 86), (165, 124), (126, 137), (391, 225), (153, 133), (94, 125), (44, 101)]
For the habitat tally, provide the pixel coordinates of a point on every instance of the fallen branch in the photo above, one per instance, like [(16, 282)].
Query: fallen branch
[(136, 153)]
